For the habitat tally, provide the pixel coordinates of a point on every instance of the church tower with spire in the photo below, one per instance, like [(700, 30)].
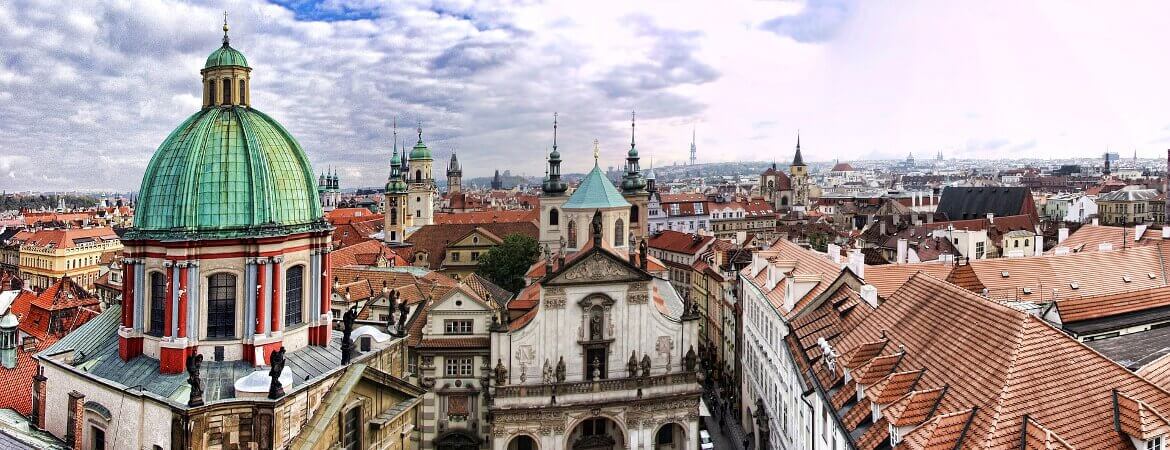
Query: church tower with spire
[(634, 189), (798, 173), (422, 183), (552, 199), (454, 176), (396, 217)]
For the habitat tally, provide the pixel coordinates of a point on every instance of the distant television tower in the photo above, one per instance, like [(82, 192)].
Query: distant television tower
[(692, 145)]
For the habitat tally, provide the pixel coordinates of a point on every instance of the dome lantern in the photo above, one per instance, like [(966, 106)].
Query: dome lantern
[(226, 75)]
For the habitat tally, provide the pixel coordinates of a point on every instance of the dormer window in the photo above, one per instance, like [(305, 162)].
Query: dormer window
[(1004, 274), (1027, 290), (1074, 285), (1126, 278), (896, 438), (1151, 275), (1155, 443)]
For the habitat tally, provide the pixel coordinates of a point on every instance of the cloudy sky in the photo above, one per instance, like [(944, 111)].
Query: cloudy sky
[(89, 89)]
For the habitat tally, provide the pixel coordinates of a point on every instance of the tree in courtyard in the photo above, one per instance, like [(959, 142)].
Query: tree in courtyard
[(506, 264)]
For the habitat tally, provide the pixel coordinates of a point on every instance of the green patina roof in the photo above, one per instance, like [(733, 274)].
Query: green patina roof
[(420, 150), (595, 191), (225, 56), (227, 172)]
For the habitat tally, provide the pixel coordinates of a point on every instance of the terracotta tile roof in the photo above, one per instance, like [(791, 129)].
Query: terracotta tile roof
[(507, 216), (1095, 307), (19, 379), (892, 387), (1157, 371), (523, 320), (434, 239), (914, 407), (340, 216), (1138, 419), (366, 253), (1088, 238), (678, 242), (64, 294), (354, 232), (887, 278), (484, 288), (1037, 437), (877, 368), (456, 342), (806, 263), (876, 435), (65, 238), (682, 197), (1067, 274), (860, 355), (940, 433), (1004, 362)]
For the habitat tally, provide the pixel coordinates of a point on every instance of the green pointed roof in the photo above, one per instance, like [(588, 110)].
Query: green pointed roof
[(595, 192), (225, 56), (226, 173)]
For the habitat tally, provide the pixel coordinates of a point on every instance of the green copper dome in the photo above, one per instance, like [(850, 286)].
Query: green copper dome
[(227, 172), (420, 151), (225, 56)]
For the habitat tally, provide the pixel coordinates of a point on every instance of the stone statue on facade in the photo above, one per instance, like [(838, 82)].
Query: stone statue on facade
[(561, 370), (501, 373), (547, 376), (347, 321), (642, 253), (632, 365), (402, 312), (276, 360), (523, 373), (193, 362), (690, 360), (596, 368), (645, 366)]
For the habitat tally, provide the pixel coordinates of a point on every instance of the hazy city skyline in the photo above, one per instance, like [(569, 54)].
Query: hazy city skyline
[(88, 91)]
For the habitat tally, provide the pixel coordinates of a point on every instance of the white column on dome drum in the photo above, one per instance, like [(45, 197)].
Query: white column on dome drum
[(249, 298), (139, 295), (266, 297), (174, 331), (193, 301)]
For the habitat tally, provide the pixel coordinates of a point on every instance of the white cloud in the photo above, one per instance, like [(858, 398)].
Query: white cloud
[(91, 88)]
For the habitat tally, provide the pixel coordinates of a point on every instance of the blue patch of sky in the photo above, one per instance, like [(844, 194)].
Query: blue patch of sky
[(319, 10)]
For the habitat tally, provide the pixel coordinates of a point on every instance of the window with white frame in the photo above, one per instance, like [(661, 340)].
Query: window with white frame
[(457, 326), (456, 367), (1154, 444)]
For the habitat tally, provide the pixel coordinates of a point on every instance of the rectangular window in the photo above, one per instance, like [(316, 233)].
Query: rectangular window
[(1154, 444), (351, 438), (455, 256), (458, 367), (475, 256), (457, 327), (97, 438)]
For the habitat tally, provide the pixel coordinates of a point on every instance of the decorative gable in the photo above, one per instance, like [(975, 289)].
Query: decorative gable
[(597, 267)]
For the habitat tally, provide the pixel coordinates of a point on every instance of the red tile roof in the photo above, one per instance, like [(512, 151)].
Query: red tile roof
[(887, 278), (1095, 307), (1066, 274), (1088, 238), (805, 262), (508, 216), (65, 238), (434, 239), (678, 242), (365, 253)]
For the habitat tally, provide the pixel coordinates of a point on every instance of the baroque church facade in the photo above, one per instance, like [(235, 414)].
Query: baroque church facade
[(598, 351)]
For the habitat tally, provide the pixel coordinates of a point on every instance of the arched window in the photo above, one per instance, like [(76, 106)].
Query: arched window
[(572, 234), (771, 184), (294, 288), (158, 303), (242, 91), (783, 201), (619, 233), (418, 175), (634, 216), (554, 217), (227, 91), (211, 92), (393, 216), (221, 306)]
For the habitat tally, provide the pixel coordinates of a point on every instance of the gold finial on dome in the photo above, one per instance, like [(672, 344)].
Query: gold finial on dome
[(596, 151), (225, 28)]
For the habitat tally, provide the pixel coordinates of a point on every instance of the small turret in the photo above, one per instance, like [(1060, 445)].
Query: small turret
[(553, 184)]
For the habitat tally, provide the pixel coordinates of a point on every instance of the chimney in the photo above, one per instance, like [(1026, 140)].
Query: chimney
[(1139, 231), (1165, 231), (789, 292), (835, 252), (902, 250), (991, 217), (857, 263), (1038, 245), (1062, 234), (869, 294), (882, 227), (1095, 223)]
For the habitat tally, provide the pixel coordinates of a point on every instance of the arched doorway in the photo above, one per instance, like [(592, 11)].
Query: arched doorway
[(670, 437), (457, 440), (597, 433), (522, 442)]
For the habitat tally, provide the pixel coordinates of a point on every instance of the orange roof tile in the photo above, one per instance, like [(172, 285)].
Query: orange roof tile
[(1098, 306), (1088, 238), (1036, 278), (887, 278), (914, 407)]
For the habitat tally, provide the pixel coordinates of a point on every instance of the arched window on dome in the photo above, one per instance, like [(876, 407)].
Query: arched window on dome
[(242, 92), (554, 217), (619, 233), (211, 92), (634, 214), (221, 306), (227, 91), (158, 303), (294, 295), (572, 234)]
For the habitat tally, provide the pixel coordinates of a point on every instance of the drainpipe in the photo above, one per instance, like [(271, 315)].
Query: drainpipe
[(812, 422)]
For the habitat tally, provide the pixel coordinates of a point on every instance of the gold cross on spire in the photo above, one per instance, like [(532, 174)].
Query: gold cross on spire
[(225, 28), (596, 151)]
